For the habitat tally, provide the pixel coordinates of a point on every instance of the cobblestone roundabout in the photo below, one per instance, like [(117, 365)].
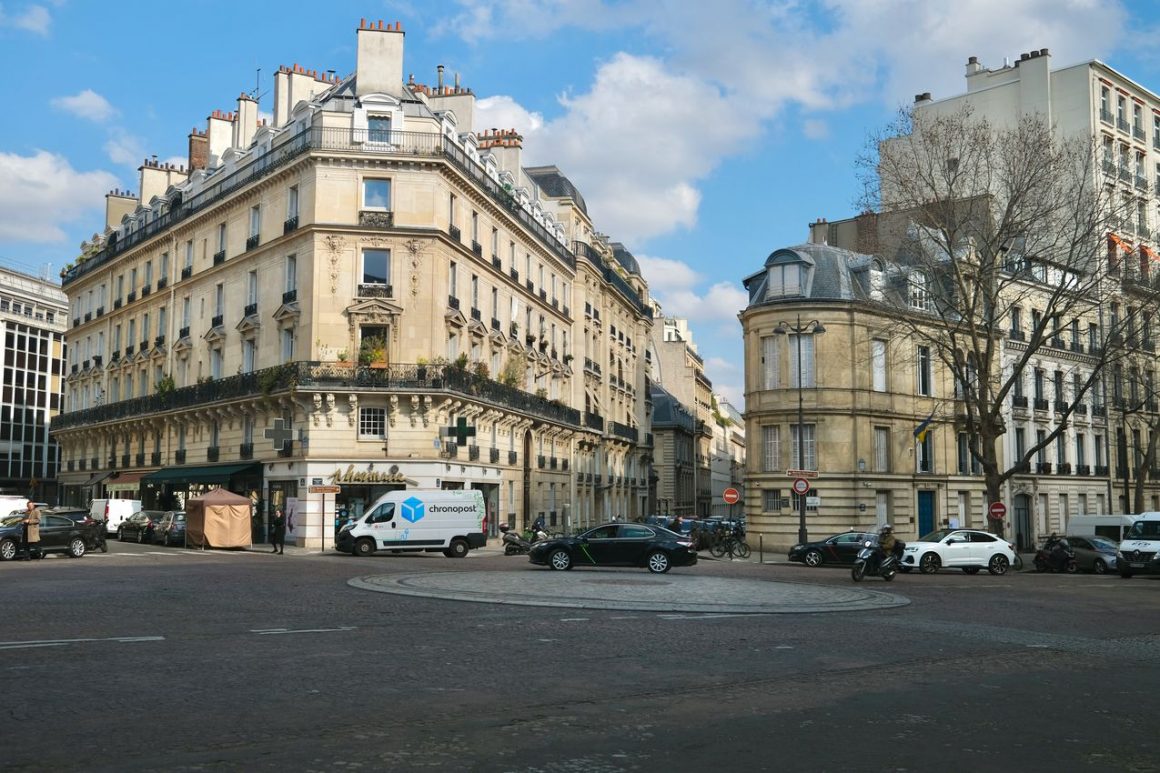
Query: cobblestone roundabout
[(618, 590)]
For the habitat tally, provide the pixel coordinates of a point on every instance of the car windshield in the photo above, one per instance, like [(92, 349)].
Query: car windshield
[(1104, 545), (12, 519), (1144, 530), (935, 536)]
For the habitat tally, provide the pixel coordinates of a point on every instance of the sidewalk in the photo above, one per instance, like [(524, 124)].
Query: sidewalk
[(493, 548)]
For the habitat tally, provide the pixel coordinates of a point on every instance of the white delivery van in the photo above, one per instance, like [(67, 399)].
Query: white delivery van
[(450, 522), (1139, 551), (12, 504), (1110, 527), (113, 512)]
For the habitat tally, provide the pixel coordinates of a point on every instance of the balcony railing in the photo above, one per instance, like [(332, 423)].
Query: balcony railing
[(1063, 469), (477, 248), (1080, 409), (454, 232), (186, 272), (252, 241), (246, 451), (1043, 468), (496, 262), (1019, 401), (493, 455), (311, 376), (1101, 469), (541, 462), (473, 453), (514, 273), (212, 453), (132, 296), (453, 302), (592, 421), (1083, 469), (217, 320), (140, 459), (625, 431), (162, 283), (179, 456), (124, 460), (290, 224), (250, 310), (183, 332), (513, 457), (155, 458), (1040, 404), (290, 296), (219, 257), (146, 291)]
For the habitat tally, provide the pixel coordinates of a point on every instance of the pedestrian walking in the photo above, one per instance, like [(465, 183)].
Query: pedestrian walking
[(278, 531), (676, 524), (31, 530)]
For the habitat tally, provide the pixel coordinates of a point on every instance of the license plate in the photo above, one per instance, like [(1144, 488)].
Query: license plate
[(1137, 566)]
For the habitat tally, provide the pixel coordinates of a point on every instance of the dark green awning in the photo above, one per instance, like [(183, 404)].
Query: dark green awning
[(214, 473)]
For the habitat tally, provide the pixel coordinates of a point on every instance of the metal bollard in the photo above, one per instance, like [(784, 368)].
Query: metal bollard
[(761, 548)]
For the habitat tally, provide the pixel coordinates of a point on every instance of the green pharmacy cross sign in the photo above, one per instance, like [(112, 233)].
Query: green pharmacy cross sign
[(280, 433), (460, 431)]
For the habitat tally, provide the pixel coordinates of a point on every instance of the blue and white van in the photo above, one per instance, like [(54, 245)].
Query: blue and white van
[(413, 520), (1139, 551)]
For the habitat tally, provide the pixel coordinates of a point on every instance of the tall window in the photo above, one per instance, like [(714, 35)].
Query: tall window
[(806, 378), (878, 364), (219, 299), (881, 449), (287, 345), (252, 287), (291, 274), (189, 254), (474, 292), (809, 447), (255, 220), (453, 280), (1080, 450), (376, 194), (376, 267), (770, 376), (925, 384), (248, 355), (185, 309), (292, 202), (924, 453), (919, 291), (770, 500), (215, 363), (770, 448), (221, 237), (378, 128)]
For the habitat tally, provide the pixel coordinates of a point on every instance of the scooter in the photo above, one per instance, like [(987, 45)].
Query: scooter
[(868, 564), (516, 545), (1046, 561)]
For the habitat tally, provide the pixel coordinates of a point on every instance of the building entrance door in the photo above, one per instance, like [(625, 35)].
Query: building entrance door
[(1024, 536), (925, 512)]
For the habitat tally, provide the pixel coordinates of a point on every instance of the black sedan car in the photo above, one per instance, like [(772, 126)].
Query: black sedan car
[(617, 544), (169, 528), (57, 535), (81, 515), (139, 526), (839, 549)]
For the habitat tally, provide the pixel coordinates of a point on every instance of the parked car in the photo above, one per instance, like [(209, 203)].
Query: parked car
[(966, 549), (617, 544), (138, 527), (170, 528), (82, 516), (1093, 554), (57, 535), (839, 549)]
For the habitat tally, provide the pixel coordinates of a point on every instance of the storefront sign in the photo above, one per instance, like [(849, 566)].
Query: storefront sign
[(351, 475)]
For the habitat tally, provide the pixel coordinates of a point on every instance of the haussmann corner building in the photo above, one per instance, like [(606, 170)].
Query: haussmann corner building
[(371, 292)]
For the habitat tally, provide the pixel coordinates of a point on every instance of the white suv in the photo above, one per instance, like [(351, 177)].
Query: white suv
[(966, 549)]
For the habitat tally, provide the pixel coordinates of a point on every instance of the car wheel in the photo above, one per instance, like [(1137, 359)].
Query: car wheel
[(658, 562), (998, 565), (364, 547), (459, 549), (1072, 566), (104, 546), (970, 570), (888, 575), (858, 572), (7, 550), (120, 535), (813, 558), (1099, 567), (930, 563), (560, 560), (76, 547)]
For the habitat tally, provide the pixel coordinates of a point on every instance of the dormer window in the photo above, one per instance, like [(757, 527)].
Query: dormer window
[(919, 291), (784, 280)]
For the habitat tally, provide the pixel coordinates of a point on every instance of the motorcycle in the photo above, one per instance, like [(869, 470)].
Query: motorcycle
[(1046, 560), (515, 544), (867, 562)]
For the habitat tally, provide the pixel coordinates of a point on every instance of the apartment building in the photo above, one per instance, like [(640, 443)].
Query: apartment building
[(368, 293)]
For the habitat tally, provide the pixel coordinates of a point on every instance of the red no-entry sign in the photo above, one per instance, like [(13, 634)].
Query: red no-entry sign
[(997, 511), (731, 496)]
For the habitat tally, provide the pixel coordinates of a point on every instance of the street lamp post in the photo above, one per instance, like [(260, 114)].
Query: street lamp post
[(813, 327)]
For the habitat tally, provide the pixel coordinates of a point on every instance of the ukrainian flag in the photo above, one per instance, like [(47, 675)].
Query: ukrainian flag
[(923, 428)]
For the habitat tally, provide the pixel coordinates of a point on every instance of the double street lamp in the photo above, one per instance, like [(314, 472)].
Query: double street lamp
[(813, 327)]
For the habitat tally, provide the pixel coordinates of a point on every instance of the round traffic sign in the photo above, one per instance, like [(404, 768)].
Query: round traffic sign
[(801, 486), (731, 496), (997, 511)]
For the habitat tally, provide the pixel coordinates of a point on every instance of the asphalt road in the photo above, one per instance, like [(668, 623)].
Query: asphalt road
[(151, 658)]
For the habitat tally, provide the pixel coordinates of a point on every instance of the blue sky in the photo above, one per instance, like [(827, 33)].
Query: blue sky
[(703, 135)]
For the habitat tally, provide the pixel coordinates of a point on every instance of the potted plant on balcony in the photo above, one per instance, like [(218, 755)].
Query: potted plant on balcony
[(373, 352)]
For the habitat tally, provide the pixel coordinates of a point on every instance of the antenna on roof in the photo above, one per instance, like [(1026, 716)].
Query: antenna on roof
[(257, 93)]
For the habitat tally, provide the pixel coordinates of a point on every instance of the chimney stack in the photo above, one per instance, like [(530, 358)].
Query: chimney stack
[(379, 68), (247, 122), (198, 150)]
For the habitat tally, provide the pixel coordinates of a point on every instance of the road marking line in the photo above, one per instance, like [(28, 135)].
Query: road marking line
[(14, 645), (573, 619), (31, 646), (279, 631)]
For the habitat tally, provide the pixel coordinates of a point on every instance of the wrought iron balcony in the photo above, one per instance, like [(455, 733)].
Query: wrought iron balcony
[(1106, 116), (124, 460), (100, 311), (552, 463), (1138, 132), (290, 224), (129, 350), (543, 294), (1060, 406), (179, 456), (252, 241), (112, 461), (453, 302), (513, 457), (246, 451), (116, 305), (1101, 469), (625, 431), (1123, 125), (495, 324), (1080, 409), (496, 262), (186, 272), (162, 283), (473, 453), (1099, 410), (1083, 469), (219, 257), (1063, 469), (84, 464), (1040, 403), (251, 309), (514, 274), (541, 461), (212, 453), (217, 320), (564, 464), (493, 455), (140, 459), (477, 248), (144, 346), (1019, 401), (454, 232), (132, 296), (98, 360), (476, 314), (1043, 468), (183, 332), (290, 296), (146, 291), (155, 458), (592, 421)]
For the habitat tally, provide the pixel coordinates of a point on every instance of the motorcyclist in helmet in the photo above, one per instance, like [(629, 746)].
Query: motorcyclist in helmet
[(886, 543), (1058, 551)]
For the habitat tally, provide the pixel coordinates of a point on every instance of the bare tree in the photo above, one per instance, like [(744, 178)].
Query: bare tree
[(998, 236)]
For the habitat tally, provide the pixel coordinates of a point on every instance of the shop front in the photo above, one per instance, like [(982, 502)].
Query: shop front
[(126, 485), (171, 487)]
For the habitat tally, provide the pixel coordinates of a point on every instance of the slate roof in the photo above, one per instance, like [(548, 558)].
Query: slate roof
[(625, 258), (832, 273), (668, 412), (555, 185)]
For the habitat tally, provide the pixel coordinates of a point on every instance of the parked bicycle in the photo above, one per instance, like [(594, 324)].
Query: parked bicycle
[(729, 541)]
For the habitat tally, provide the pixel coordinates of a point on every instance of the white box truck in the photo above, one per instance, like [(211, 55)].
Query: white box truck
[(1110, 527), (413, 520)]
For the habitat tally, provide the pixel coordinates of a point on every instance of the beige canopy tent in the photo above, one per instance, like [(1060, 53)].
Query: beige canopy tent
[(219, 519)]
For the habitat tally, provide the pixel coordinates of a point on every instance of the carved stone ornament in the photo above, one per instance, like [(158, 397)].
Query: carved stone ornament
[(414, 246), (335, 245)]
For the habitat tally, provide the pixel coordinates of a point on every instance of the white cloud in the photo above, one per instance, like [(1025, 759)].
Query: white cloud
[(34, 18), (503, 112), (42, 192), (124, 148), (87, 104), (664, 274)]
